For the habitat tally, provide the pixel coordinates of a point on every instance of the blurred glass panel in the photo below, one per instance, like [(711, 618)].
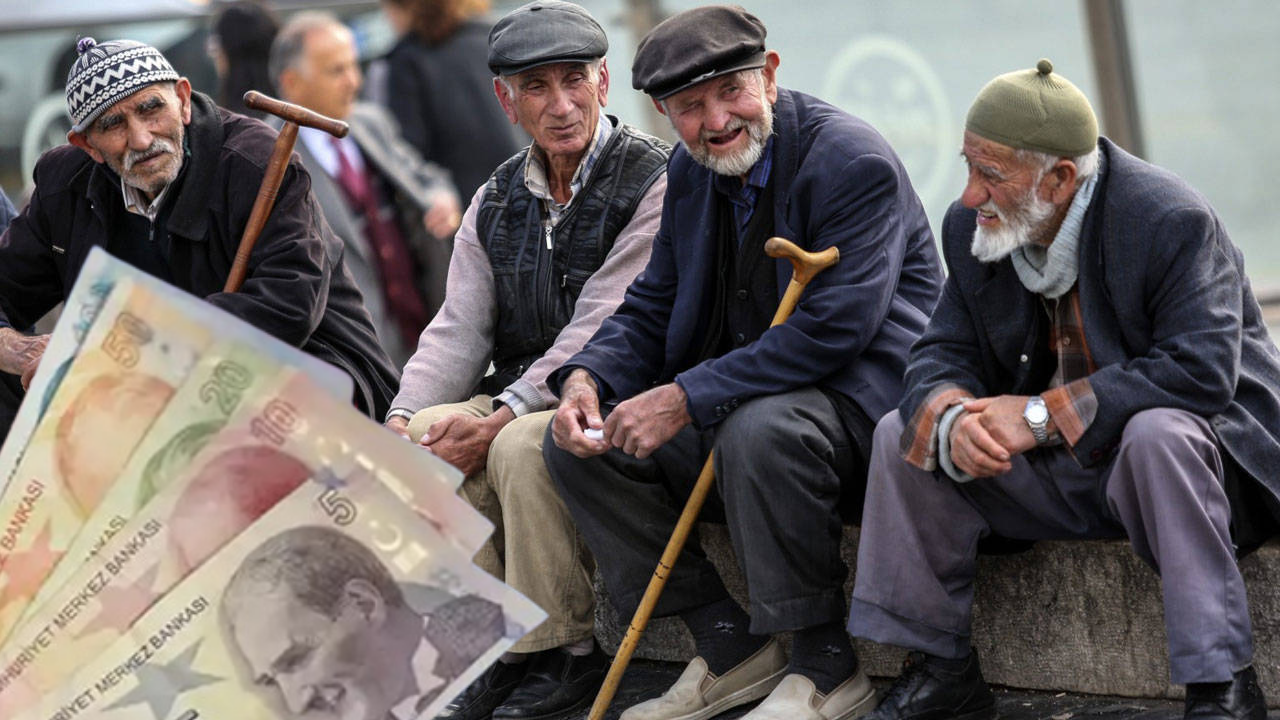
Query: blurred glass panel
[(1208, 98)]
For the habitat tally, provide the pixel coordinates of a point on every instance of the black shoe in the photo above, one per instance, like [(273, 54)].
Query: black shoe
[(488, 691), (1240, 698), (558, 683), (932, 688)]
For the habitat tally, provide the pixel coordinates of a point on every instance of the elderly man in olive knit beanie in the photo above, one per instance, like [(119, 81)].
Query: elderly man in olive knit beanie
[(1096, 368)]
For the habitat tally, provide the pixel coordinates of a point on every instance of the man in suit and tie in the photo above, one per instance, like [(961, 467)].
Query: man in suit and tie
[(394, 211)]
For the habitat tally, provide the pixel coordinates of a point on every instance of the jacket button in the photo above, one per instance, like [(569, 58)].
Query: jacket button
[(1022, 359), (740, 339), (742, 294)]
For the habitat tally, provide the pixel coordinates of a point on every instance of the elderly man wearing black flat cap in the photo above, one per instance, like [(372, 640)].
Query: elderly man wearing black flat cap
[(692, 365), (544, 254)]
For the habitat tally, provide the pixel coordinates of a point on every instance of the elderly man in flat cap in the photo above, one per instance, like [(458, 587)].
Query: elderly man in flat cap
[(165, 180), (545, 252), (1096, 368), (691, 364)]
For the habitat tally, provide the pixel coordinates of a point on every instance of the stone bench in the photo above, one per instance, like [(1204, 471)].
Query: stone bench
[(1075, 616)]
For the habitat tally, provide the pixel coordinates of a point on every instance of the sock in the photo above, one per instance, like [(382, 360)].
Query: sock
[(513, 658), (720, 632), (823, 654), (581, 648)]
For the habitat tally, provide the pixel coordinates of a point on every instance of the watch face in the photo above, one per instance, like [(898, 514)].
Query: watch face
[(1036, 413)]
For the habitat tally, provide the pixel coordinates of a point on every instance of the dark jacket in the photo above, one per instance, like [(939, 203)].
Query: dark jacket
[(1168, 314), (442, 97), (297, 287), (836, 183)]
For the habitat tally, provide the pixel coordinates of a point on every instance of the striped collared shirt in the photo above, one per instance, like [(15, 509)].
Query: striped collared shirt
[(744, 196), (535, 170)]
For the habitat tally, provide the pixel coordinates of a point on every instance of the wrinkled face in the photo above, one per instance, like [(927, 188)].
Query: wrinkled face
[(1005, 192), (558, 105), (326, 78), (321, 666), (725, 122), (140, 137)]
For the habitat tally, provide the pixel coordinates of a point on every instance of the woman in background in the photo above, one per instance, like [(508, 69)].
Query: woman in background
[(239, 44), (440, 89)]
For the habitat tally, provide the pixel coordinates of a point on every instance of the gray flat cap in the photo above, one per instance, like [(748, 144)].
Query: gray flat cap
[(696, 45), (544, 32)]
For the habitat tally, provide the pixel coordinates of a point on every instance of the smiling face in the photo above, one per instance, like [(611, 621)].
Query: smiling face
[(140, 137), (558, 105), (1006, 192), (725, 122), (321, 666)]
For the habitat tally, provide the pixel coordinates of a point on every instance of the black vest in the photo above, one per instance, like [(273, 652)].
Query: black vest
[(538, 273)]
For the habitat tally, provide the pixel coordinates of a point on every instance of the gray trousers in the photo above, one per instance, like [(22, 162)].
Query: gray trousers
[(779, 464), (1163, 489)]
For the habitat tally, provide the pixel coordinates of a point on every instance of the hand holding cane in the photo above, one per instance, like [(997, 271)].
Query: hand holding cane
[(805, 265), (293, 115)]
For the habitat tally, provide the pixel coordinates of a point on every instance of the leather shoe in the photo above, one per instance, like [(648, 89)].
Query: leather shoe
[(933, 688), (487, 692), (557, 684), (796, 698), (1239, 698), (699, 694)]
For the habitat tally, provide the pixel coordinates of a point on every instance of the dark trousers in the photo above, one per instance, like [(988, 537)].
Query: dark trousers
[(10, 398), (780, 463), (917, 556)]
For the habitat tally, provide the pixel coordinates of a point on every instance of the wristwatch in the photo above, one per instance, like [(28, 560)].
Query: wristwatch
[(1037, 417)]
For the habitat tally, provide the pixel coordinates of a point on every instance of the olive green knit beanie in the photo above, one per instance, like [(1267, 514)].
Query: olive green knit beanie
[(1035, 110)]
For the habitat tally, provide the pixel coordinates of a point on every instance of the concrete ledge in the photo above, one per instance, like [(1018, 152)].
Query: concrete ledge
[(1078, 616)]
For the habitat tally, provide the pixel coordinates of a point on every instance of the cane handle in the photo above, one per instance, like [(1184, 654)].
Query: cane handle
[(296, 114), (806, 264)]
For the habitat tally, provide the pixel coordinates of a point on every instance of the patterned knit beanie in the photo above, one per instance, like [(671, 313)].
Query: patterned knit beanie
[(106, 73)]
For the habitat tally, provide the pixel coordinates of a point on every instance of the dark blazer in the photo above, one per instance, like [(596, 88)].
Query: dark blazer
[(1168, 313), (836, 183), (413, 182), (297, 288)]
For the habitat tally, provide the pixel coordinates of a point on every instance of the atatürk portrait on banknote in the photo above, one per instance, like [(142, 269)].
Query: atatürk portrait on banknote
[(320, 621)]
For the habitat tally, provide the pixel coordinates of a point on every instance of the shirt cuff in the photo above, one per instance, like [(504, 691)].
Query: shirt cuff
[(511, 400), (1073, 407), (398, 412), (944, 445)]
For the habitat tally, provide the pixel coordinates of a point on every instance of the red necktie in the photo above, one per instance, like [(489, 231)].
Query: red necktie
[(394, 262)]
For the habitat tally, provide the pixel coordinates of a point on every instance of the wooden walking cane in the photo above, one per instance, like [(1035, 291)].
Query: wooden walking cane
[(805, 265), (293, 115)]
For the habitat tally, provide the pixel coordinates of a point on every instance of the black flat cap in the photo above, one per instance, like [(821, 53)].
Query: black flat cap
[(543, 32), (696, 45)]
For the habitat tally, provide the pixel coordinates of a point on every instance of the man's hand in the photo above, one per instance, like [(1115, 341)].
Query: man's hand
[(463, 441), (647, 421), (990, 433), (20, 354), (444, 216), (579, 410), (398, 425)]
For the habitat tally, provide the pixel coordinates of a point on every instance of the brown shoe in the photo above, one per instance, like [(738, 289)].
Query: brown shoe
[(699, 694)]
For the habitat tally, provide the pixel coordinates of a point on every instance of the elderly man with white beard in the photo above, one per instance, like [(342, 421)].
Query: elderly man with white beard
[(689, 363), (1096, 368)]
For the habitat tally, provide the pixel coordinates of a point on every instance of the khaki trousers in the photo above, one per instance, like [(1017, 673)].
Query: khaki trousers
[(534, 547)]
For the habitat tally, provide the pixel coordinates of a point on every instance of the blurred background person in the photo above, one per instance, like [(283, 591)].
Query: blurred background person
[(239, 43), (438, 85), (394, 212)]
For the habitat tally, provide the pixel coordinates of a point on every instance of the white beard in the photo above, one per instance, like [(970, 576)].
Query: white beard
[(740, 162), (1018, 226)]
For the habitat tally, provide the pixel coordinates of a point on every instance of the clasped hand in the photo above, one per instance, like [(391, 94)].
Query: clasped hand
[(991, 431), (20, 354), (638, 426)]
